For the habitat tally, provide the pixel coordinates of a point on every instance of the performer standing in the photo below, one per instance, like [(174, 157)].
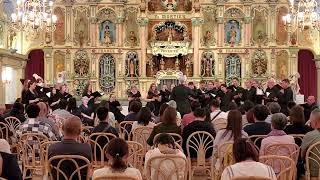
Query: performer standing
[(237, 91), (165, 94), (225, 98), (272, 91), (180, 94), (31, 95), (285, 96), (154, 98), (201, 93)]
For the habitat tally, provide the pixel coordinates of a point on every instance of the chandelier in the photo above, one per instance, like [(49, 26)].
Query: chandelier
[(302, 14), (34, 15)]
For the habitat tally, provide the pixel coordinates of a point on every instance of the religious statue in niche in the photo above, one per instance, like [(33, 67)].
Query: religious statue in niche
[(131, 27), (82, 30), (132, 64), (81, 63), (259, 63), (177, 64), (188, 63), (282, 58), (232, 32), (132, 39), (207, 64), (208, 25), (282, 34), (162, 64), (151, 64), (48, 38), (208, 39), (107, 33), (11, 38)]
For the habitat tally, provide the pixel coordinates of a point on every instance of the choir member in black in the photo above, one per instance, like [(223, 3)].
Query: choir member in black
[(87, 91), (31, 95), (116, 108), (271, 92), (201, 93), (63, 94), (309, 106), (154, 99), (86, 112), (258, 95), (225, 98), (24, 91), (285, 96), (194, 90), (134, 95), (211, 92), (250, 91), (165, 94), (237, 91), (72, 107), (181, 94), (54, 99), (42, 90)]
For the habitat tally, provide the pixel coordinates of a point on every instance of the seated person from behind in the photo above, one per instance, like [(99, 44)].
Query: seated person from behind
[(274, 108), (311, 138), (117, 152), (199, 124), (16, 111), (62, 111), (260, 127), (164, 144), (70, 146), (144, 118), (34, 124), (297, 122), (8, 162), (189, 118), (135, 107), (247, 163), (43, 116)]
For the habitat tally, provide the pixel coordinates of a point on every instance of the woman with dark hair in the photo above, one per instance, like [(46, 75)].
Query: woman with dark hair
[(247, 163), (24, 90), (297, 121), (87, 91), (54, 99), (163, 107), (144, 118), (31, 95), (72, 107), (115, 107), (168, 125), (154, 98), (233, 131), (117, 152), (164, 144)]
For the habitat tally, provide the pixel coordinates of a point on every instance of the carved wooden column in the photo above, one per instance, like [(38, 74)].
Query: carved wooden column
[(93, 25), (293, 62), (196, 22), (272, 24), (68, 22), (143, 21), (119, 25), (48, 65), (220, 36)]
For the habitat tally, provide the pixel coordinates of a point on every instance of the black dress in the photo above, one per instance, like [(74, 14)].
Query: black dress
[(30, 96), (165, 96), (113, 106), (54, 98), (87, 111), (154, 105), (136, 97)]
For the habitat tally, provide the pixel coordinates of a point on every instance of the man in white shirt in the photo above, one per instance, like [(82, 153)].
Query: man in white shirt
[(216, 113)]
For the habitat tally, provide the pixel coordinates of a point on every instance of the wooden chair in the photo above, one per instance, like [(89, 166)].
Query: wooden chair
[(13, 123), (313, 157), (277, 149), (136, 155), (115, 176), (31, 152), (251, 178), (44, 147), (140, 135), (298, 138), (85, 133), (98, 142), (201, 142), (69, 167), (219, 123), (4, 131), (125, 128), (256, 139), (167, 167), (225, 158), (177, 138), (283, 166)]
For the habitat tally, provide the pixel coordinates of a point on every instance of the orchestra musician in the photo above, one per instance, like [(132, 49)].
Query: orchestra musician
[(154, 98)]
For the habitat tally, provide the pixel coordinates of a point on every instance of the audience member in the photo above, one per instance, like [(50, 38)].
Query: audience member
[(189, 118), (163, 107), (216, 113), (311, 138), (144, 118), (168, 125), (34, 125), (297, 122), (43, 117), (117, 152), (70, 146), (104, 126), (260, 127), (173, 104), (62, 110), (274, 108), (247, 106), (10, 168), (135, 107), (309, 106), (111, 119), (17, 112), (233, 130), (164, 144), (249, 117), (197, 125), (247, 163)]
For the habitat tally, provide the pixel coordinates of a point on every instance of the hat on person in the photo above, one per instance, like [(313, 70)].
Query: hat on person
[(172, 103), (4, 146)]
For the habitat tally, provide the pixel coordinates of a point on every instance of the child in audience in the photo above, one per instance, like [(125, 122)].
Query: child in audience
[(117, 152)]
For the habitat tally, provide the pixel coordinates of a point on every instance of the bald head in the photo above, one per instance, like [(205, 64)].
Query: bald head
[(43, 109), (271, 82), (72, 126), (315, 119), (311, 100)]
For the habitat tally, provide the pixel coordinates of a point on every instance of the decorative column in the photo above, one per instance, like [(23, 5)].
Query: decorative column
[(220, 26), (119, 25), (272, 24), (196, 22), (317, 61), (247, 22), (92, 25), (68, 23), (293, 63), (143, 22), (48, 65), (2, 90)]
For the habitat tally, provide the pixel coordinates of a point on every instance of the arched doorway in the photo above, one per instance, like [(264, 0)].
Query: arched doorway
[(35, 64), (308, 73)]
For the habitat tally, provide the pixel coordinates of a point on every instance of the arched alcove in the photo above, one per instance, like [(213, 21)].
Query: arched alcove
[(308, 73), (35, 64)]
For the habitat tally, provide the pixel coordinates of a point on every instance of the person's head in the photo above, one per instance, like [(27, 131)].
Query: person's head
[(87, 88), (297, 115), (85, 100), (291, 104), (217, 83), (25, 84), (255, 83), (235, 82), (202, 84), (33, 111), (17, 106), (191, 85), (144, 116), (271, 83), (232, 106), (223, 88), (153, 87), (63, 104), (200, 114), (182, 80), (172, 86), (250, 116), (172, 103), (234, 123), (285, 83), (169, 116), (134, 89), (248, 84), (210, 85), (102, 113), (72, 104), (63, 88), (32, 84), (71, 127), (117, 151), (315, 119), (112, 97), (244, 149), (162, 108), (311, 100), (214, 105), (135, 106), (260, 112), (274, 107), (279, 121), (247, 105), (164, 140), (194, 105), (164, 87), (43, 109)]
